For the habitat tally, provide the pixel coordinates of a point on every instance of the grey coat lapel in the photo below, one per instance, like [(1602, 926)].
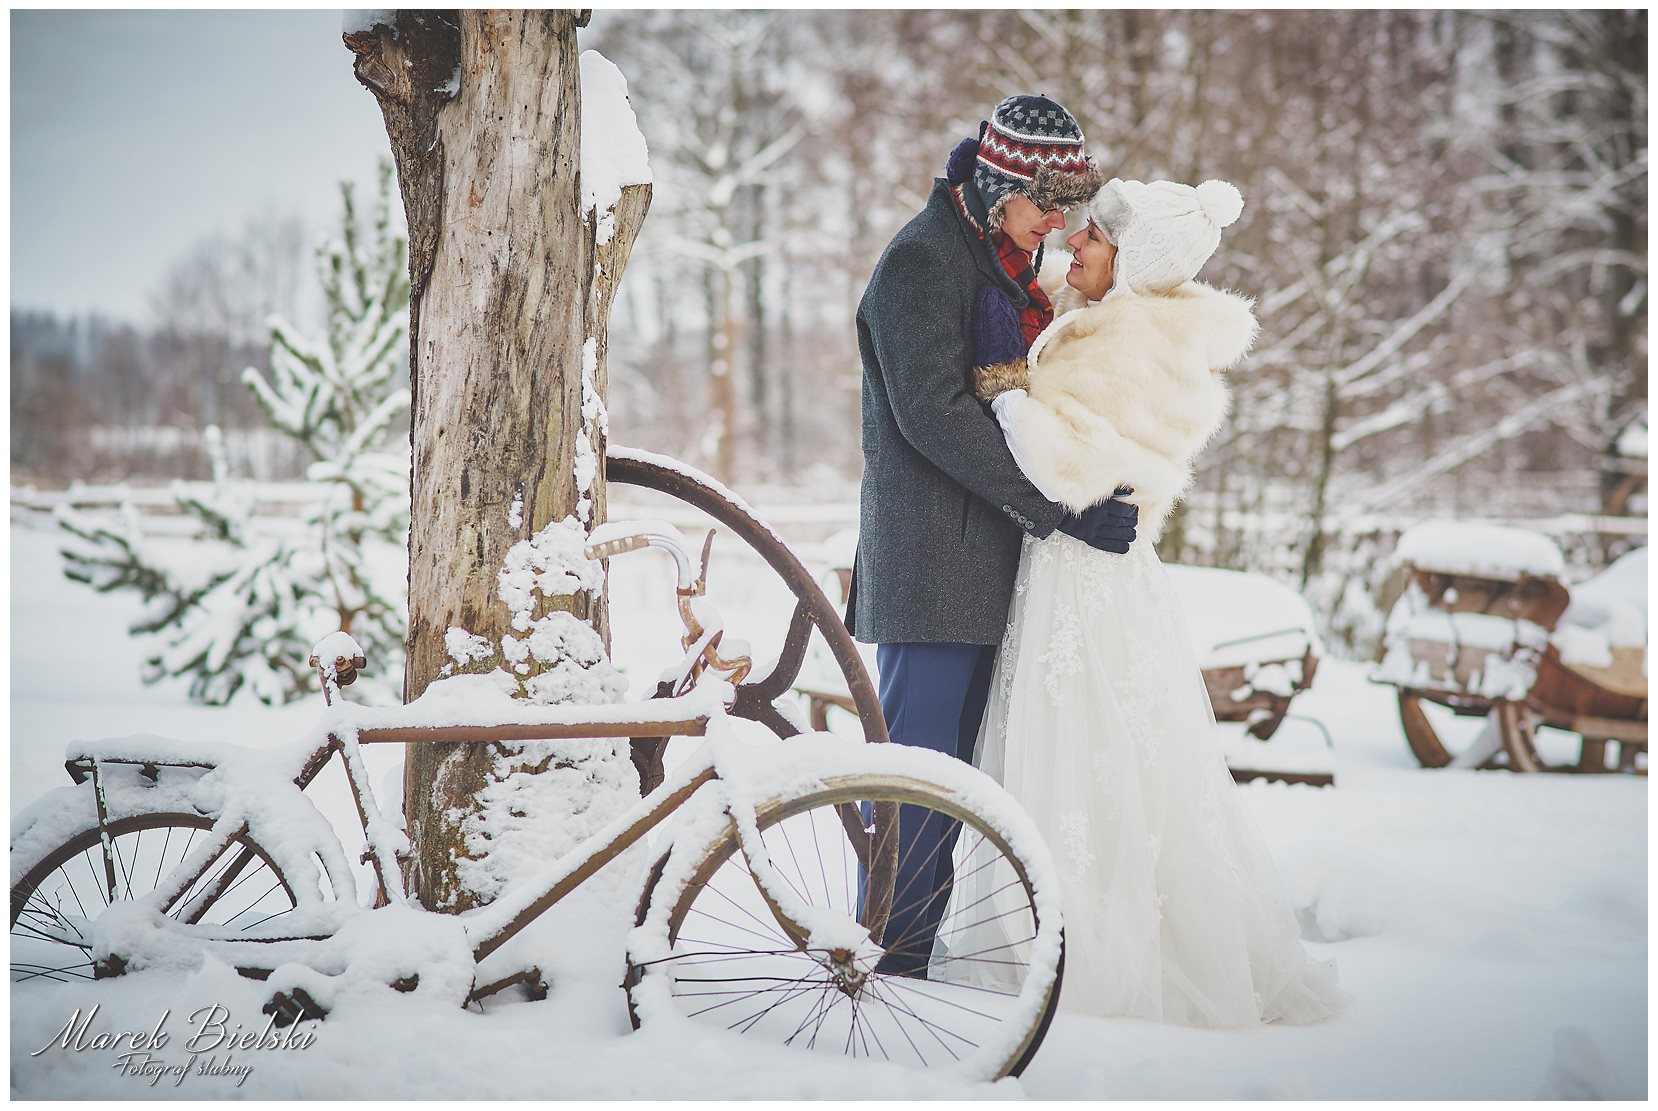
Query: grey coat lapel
[(984, 257)]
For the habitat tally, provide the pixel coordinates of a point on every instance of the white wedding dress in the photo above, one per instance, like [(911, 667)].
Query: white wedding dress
[(1100, 726)]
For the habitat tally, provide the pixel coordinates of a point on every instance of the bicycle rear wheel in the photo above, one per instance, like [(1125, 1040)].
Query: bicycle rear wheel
[(978, 1000), (54, 902)]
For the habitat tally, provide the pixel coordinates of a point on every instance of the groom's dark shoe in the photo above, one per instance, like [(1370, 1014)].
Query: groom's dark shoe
[(1109, 526)]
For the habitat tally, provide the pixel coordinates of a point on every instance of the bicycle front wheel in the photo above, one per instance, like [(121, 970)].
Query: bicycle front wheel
[(970, 975)]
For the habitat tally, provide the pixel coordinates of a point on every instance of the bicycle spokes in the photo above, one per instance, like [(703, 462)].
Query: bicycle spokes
[(940, 989), (52, 908)]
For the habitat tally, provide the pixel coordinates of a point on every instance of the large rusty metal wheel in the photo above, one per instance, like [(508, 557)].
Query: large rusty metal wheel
[(756, 696)]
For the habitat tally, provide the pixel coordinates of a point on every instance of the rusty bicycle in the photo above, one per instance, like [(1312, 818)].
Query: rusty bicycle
[(775, 883)]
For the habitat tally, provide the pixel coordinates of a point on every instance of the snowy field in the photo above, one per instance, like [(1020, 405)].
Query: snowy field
[(1492, 928)]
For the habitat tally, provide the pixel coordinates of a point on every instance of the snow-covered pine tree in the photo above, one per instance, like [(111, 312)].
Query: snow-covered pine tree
[(246, 615), (346, 402), (231, 614)]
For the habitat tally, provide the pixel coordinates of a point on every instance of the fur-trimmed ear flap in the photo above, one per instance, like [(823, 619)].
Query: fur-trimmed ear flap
[(1052, 188), (994, 222), (990, 382), (959, 166), (1057, 189)]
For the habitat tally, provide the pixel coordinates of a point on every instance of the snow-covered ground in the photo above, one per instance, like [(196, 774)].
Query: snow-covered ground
[(1492, 928)]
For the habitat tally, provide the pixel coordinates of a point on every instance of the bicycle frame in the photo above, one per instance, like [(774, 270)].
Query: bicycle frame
[(490, 927)]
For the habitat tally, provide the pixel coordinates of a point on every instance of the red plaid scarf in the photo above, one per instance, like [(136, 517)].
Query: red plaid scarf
[(1038, 313)]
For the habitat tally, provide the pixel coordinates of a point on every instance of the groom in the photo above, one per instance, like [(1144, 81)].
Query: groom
[(943, 507)]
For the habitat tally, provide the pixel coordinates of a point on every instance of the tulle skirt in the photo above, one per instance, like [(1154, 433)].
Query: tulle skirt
[(1099, 724)]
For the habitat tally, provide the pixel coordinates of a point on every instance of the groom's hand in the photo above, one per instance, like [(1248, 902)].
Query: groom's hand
[(1109, 526)]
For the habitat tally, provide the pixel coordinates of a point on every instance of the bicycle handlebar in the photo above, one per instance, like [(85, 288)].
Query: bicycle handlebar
[(619, 537)]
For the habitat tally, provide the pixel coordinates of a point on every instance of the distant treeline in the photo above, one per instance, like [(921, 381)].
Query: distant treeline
[(101, 401)]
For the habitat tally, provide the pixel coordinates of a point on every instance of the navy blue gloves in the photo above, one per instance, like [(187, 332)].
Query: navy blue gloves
[(1109, 526), (997, 336), (998, 345)]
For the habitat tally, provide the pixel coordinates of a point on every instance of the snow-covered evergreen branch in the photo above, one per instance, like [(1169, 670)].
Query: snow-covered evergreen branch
[(248, 620)]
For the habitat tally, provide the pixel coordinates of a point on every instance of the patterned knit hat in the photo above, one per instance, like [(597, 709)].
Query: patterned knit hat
[(1030, 147), (1164, 231)]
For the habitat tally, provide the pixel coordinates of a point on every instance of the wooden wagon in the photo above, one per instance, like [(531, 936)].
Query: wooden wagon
[(1486, 628), (1258, 647)]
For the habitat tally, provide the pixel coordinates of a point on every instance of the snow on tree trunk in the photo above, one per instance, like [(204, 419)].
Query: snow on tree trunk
[(483, 110), (610, 257)]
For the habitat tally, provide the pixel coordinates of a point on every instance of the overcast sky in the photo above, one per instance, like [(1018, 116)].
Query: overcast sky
[(135, 134)]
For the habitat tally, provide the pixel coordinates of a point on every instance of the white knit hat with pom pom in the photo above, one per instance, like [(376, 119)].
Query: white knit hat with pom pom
[(1164, 231)]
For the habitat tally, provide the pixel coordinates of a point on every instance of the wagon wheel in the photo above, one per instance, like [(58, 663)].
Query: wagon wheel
[(1519, 740), (1519, 730), (1424, 743), (1424, 740), (812, 607)]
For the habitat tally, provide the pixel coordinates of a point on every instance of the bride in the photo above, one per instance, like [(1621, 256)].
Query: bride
[(1098, 721)]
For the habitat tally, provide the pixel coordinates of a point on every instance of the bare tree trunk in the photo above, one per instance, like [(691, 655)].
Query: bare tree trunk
[(483, 111), (758, 370), (722, 374), (1621, 289), (1312, 561), (788, 366)]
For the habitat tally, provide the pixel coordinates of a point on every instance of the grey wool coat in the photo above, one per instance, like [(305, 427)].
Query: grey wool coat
[(943, 506)]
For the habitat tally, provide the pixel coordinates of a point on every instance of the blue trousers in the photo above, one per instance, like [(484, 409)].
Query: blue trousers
[(932, 696)]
